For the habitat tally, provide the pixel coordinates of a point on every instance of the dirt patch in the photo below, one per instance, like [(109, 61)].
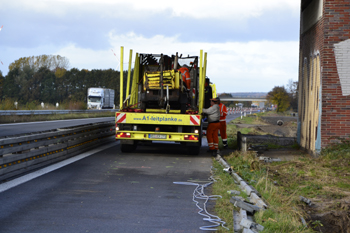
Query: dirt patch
[(331, 222), (324, 182), (269, 126), (281, 131), (328, 212)]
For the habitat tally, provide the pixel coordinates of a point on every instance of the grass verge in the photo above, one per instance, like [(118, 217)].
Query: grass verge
[(324, 180)]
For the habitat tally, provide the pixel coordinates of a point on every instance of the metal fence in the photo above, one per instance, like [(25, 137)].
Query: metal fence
[(49, 112), (22, 153)]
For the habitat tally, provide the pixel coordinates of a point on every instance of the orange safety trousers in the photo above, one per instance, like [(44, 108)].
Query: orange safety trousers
[(212, 135), (223, 130)]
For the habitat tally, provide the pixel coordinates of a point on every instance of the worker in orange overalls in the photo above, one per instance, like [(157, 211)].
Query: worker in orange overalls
[(186, 78), (223, 114), (213, 126)]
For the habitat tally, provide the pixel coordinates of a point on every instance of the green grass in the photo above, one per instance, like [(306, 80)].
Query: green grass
[(279, 217), (308, 177), (326, 177)]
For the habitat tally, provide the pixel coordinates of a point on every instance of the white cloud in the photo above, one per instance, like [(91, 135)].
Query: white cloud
[(233, 66), (82, 58), (197, 9), (82, 25)]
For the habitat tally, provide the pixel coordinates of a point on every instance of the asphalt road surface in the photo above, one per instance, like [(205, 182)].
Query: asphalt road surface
[(110, 191)]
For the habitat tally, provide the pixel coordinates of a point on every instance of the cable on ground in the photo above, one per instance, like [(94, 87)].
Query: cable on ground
[(198, 194)]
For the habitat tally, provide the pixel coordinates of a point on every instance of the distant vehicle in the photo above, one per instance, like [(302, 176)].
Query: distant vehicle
[(100, 98)]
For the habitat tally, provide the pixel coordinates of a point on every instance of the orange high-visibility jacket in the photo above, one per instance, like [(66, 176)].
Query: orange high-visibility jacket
[(186, 78), (223, 112)]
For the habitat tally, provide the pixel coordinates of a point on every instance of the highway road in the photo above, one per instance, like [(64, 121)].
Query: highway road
[(107, 191)]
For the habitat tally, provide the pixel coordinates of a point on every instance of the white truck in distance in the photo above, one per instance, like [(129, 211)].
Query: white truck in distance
[(100, 98)]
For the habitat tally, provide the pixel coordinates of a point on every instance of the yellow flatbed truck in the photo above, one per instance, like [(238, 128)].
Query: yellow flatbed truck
[(158, 105)]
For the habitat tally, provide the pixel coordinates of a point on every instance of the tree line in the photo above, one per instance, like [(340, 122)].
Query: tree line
[(47, 79)]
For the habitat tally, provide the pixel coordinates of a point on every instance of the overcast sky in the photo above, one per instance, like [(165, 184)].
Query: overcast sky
[(252, 45)]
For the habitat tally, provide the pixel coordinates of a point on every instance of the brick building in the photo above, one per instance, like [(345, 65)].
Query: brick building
[(324, 73)]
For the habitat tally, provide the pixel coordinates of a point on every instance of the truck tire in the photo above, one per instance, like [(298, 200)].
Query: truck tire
[(126, 148), (183, 109), (143, 106), (193, 150)]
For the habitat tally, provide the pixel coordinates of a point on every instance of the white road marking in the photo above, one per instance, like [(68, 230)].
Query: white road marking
[(33, 175)]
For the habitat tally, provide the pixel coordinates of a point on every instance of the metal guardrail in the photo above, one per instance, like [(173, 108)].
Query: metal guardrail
[(22, 153), (49, 112)]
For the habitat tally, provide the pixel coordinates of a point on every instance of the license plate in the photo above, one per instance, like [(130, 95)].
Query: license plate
[(157, 136)]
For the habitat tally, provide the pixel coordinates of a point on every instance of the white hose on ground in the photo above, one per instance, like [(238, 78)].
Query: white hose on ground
[(198, 193)]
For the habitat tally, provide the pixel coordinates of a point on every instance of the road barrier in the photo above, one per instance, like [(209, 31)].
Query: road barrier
[(20, 154), (49, 112), (241, 222)]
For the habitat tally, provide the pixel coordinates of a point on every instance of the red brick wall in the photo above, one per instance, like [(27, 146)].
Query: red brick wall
[(335, 120)]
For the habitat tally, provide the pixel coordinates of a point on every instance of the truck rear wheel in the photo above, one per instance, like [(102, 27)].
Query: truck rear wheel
[(143, 106), (126, 148), (193, 150)]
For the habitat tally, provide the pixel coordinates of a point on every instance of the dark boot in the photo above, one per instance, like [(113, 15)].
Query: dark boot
[(214, 153)]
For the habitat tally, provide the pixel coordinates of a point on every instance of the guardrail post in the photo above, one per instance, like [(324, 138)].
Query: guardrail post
[(244, 144)]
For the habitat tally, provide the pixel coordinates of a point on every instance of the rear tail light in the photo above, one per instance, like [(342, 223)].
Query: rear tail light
[(123, 135), (191, 137)]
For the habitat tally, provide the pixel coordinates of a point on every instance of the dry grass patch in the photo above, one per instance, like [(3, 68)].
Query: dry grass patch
[(322, 180)]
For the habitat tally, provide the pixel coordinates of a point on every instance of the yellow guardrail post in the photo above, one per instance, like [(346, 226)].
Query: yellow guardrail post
[(129, 74), (201, 84), (134, 86), (213, 86), (121, 77), (205, 68)]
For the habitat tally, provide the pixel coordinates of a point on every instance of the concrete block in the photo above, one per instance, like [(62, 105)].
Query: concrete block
[(237, 177), (244, 205), (257, 201), (254, 227)]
